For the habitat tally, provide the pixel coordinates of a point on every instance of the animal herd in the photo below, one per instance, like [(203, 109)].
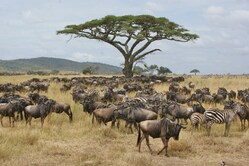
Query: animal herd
[(133, 100)]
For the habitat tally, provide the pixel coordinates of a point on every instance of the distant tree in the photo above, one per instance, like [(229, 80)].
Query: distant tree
[(55, 72), (90, 70), (130, 35), (163, 70), (138, 70), (195, 71), (150, 69)]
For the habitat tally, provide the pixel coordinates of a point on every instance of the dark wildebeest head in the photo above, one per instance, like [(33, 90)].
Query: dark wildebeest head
[(88, 105), (170, 129)]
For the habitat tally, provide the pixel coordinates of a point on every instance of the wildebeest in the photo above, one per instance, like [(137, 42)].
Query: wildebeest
[(191, 85), (134, 115), (177, 111), (89, 105), (231, 95), (244, 115), (104, 115), (8, 109), (163, 128), (36, 98), (38, 111), (60, 107)]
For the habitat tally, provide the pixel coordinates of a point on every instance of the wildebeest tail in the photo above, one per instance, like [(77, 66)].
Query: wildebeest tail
[(139, 135)]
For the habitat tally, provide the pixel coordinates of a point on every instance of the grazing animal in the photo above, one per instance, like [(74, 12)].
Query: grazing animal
[(36, 98), (191, 85), (89, 105), (60, 107), (38, 111), (220, 117), (163, 128), (231, 95), (104, 115), (197, 107), (134, 115), (197, 119), (8, 109), (177, 111), (244, 115)]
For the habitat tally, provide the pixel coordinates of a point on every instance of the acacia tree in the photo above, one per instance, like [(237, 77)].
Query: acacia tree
[(131, 35), (195, 71), (163, 70)]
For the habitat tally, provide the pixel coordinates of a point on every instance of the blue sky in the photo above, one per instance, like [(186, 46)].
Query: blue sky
[(28, 29)]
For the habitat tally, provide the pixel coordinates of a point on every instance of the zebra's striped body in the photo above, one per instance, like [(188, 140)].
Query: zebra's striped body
[(197, 119), (220, 117)]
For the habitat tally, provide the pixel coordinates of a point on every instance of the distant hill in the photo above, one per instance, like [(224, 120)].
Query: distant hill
[(48, 64)]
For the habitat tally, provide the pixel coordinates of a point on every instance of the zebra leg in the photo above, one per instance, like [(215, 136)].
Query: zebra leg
[(208, 127), (227, 128)]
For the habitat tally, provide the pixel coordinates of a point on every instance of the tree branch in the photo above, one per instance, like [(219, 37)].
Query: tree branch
[(144, 54), (142, 48)]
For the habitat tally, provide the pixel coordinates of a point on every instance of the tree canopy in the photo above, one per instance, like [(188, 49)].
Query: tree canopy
[(131, 35), (195, 71)]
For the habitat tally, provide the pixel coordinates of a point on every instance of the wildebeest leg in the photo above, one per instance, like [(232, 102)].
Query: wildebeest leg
[(241, 124), (148, 142), (135, 125), (29, 120), (70, 114), (93, 119), (139, 144), (165, 143), (248, 123), (113, 124), (21, 115), (130, 126), (42, 121), (11, 120), (1, 120), (118, 123)]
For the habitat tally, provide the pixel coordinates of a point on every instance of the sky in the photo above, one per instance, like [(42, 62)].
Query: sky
[(28, 30)]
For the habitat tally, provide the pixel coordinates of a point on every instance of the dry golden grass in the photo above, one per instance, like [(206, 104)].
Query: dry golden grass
[(81, 143)]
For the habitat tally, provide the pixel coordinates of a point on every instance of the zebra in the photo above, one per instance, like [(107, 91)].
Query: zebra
[(220, 117), (197, 119)]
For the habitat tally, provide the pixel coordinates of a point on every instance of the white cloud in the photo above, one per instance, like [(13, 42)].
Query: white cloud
[(215, 10), (152, 7), (240, 16)]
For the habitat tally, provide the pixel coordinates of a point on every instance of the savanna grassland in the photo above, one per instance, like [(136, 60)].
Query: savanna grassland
[(82, 143)]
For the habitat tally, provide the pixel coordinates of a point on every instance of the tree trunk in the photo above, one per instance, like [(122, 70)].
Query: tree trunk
[(127, 70)]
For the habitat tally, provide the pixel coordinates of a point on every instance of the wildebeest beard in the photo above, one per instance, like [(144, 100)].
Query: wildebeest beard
[(177, 131), (172, 129)]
